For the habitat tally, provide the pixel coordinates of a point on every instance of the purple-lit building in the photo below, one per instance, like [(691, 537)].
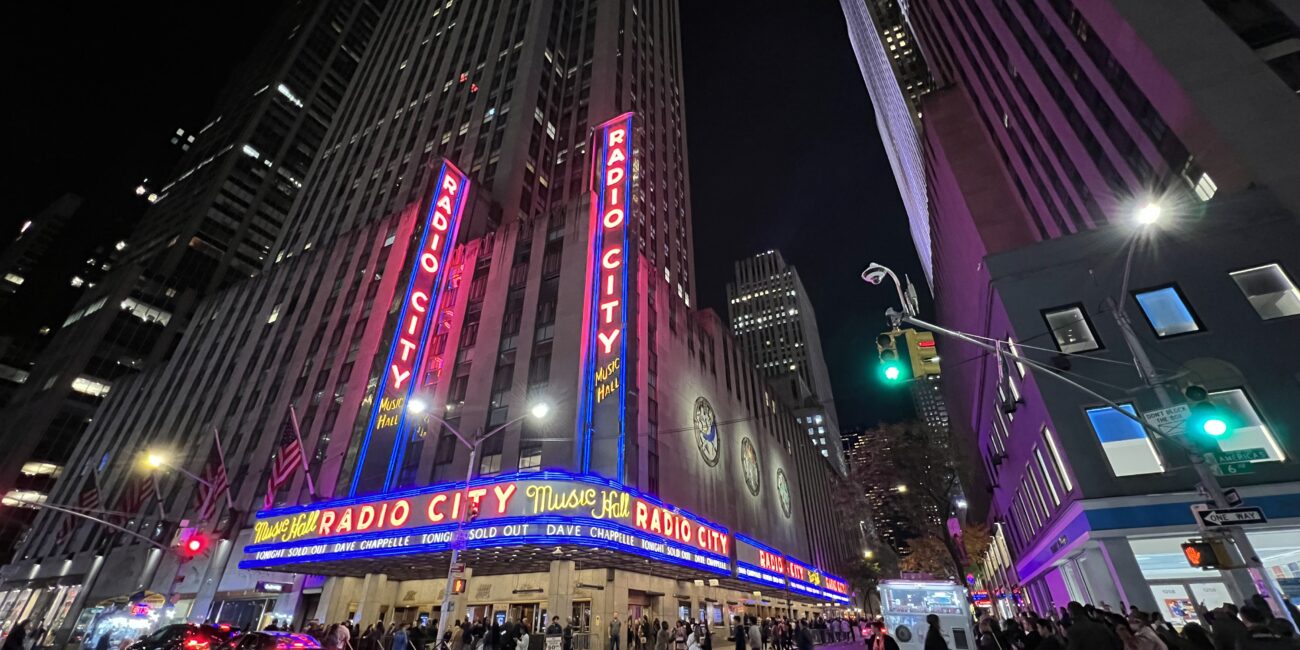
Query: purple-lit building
[(1052, 121), (498, 218)]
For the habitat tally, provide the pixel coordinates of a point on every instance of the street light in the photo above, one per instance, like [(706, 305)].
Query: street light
[(901, 488), (1149, 213), (868, 554), (155, 459), (417, 406), (875, 274)]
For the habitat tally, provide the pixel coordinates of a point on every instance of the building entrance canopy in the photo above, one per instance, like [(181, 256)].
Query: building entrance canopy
[(514, 521)]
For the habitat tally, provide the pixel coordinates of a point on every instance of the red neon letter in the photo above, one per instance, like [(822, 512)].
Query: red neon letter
[(326, 522), (613, 252), (503, 496), (366, 518), (613, 218), (420, 301), (434, 515), (606, 340), (399, 376), (400, 512)]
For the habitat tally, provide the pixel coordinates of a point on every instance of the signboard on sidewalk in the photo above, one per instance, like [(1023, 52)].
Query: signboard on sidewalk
[(1220, 517)]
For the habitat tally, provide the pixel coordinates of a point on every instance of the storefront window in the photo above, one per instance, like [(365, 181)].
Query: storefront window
[(1281, 556)]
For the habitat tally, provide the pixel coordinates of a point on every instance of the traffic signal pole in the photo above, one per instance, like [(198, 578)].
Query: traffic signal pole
[(1210, 487), (1208, 483)]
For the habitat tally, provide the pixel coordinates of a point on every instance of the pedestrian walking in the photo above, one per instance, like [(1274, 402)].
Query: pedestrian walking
[(934, 634), (615, 629)]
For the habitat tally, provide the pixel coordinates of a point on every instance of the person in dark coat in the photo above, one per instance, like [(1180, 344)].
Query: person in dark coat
[(1087, 634), (738, 633), (17, 637), (934, 634)]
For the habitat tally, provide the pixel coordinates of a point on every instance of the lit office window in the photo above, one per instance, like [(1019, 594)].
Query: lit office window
[(1047, 476), (1167, 312), (1248, 430), (1071, 329), (1127, 447), (1056, 460), (1269, 290)]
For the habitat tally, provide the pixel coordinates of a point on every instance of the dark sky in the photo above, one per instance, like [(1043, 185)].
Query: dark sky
[(784, 152)]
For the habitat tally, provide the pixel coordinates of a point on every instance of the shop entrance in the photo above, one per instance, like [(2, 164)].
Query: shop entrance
[(244, 614), (534, 614)]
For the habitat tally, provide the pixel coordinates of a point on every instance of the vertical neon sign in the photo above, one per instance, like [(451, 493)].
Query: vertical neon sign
[(604, 348), (383, 447)]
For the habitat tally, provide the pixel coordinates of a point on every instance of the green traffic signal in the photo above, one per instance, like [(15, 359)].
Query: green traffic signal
[(1209, 419), (892, 371)]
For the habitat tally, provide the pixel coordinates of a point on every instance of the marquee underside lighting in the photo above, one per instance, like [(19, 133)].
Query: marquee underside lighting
[(547, 510)]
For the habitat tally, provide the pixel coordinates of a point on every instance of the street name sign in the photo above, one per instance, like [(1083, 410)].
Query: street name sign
[(1219, 517), (1171, 419), (1232, 469), (1237, 455)]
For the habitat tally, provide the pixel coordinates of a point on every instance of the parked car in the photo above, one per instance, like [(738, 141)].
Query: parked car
[(276, 641), (186, 636)]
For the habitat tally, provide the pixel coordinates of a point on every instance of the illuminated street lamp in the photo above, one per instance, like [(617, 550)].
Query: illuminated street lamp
[(1149, 213), (868, 554), (158, 460), (901, 488), (417, 406)]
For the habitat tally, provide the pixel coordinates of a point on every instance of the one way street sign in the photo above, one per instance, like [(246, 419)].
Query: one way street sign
[(1217, 518)]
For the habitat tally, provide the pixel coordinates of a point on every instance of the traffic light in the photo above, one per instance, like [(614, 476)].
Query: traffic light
[(894, 368), (473, 512), (1206, 553), (193, 546), (1206, 420)]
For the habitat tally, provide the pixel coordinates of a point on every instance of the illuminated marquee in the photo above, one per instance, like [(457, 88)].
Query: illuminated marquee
[(533, 508), (604, 358), (756, 562), (814, 582), (383, 447)]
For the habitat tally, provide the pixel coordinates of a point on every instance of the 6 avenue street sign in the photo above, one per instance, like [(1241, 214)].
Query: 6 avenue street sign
[(1219, 517)]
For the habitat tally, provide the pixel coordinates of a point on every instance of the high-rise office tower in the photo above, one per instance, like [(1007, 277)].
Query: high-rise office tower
[(498, 219), (897, 77), (772, 318), (1113, 194), (210, 226)]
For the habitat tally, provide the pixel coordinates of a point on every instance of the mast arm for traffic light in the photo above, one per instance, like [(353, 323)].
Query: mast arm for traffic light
[(102, 522)]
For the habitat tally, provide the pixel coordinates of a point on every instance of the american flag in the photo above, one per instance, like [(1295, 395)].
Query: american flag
[(289, 459), (135, 494), (88, 499), (214, 484)]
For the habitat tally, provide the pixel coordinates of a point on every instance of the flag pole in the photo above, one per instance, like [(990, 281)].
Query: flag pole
[(306, 471), (221, 458)]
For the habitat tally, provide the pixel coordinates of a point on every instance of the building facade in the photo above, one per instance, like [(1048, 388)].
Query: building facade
[(896, 76), (211, 226), (461, 243), (1056, 122), (773, 319)]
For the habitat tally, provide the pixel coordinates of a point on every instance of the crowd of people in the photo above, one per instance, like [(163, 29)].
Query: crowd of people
[(1250, 626), (643, 633)]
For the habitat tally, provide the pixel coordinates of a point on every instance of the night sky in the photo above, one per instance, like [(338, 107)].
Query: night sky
[(784, 152)]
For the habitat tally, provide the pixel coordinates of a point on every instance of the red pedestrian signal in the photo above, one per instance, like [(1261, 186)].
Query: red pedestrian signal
[(458, 586), (193, 546), (473, 512), (1206, 554)]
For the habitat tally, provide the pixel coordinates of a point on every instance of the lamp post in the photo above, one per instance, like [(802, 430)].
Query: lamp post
[(1209, 485), (156, 460), (417, 406)]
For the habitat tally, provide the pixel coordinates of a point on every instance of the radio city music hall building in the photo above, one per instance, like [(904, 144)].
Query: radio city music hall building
[(667, 480)]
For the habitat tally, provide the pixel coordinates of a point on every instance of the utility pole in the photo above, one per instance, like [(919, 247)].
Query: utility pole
[(1208, 484)]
